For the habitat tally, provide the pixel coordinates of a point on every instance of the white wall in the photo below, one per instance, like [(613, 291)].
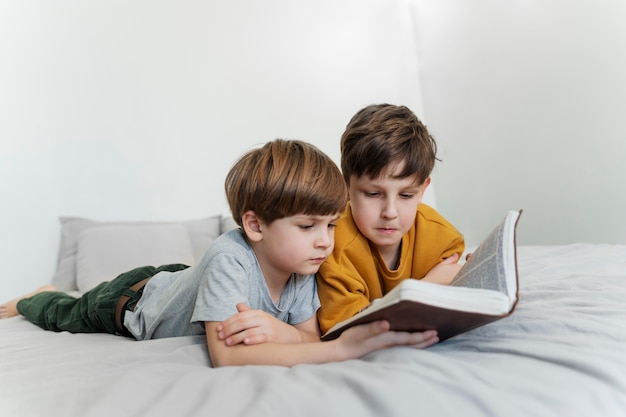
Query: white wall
[(528, 100), (119, 110), (136, 110)]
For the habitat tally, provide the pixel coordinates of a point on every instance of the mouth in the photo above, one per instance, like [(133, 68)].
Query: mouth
[(386, 230), (318, 260)]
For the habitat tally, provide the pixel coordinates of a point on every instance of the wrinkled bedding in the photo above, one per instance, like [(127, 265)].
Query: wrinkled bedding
[(561, 353)]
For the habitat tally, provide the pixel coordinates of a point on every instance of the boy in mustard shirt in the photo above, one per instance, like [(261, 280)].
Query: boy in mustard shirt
[(385, 234)]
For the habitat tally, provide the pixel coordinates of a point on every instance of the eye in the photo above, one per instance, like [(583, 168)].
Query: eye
[(372, 194), (407, 196), (332, 225), (306, 226)]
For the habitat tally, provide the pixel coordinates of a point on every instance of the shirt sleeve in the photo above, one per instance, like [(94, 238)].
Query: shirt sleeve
[(437, 239), (223, 284), (342, 294), (307, 301)]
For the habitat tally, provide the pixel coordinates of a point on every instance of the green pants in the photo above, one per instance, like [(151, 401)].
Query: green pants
[(94, 311)]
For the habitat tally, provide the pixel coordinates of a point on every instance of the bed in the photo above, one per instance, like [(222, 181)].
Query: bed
[(561, 353)]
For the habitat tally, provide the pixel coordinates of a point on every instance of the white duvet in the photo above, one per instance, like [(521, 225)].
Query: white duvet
[(561, 353)]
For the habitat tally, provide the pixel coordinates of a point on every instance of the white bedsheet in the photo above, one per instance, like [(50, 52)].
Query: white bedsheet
[(562, 353)]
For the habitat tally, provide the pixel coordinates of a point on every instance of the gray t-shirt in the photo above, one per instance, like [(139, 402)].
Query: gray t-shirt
[(178, 303)]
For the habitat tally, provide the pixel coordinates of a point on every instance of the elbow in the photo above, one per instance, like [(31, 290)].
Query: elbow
[(226, 359), (219, 361), (215, 363)]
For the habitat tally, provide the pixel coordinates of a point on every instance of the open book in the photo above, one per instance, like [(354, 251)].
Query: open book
[(484, 290)]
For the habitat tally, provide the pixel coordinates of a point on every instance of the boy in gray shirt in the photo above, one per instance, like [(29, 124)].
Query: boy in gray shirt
[(253, 293), (227, 275)]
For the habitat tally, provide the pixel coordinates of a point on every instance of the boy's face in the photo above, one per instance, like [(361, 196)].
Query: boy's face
[(298, 244), (384, 208)]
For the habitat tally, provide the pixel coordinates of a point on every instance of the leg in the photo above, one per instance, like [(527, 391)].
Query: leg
[(94, 311), (59, 311), (9, 309)]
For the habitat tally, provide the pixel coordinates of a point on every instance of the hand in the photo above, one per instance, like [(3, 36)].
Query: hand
[(445, 271), (362, 339), (251, 327)]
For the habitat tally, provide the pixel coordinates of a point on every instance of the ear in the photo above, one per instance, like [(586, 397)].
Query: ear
[(423, 188), (353, 178), (251, 226)]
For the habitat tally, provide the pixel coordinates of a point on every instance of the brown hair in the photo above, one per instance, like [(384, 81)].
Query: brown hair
[(383, 134), (285, 178)]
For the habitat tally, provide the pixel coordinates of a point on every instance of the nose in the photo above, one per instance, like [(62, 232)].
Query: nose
[(389, 210), (325, 238)]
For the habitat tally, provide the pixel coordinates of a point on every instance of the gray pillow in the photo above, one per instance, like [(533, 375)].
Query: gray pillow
[(202, 233), (107, 251)]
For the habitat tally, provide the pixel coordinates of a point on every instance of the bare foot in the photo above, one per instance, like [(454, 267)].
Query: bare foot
[(9, 309)]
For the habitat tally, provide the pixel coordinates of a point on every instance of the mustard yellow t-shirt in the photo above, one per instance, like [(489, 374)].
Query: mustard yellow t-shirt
[(355, 274)]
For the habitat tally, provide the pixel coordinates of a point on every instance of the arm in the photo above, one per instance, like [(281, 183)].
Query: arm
[(438, 247), (444, 272), (342, 293), (352, 344), (250, 326)]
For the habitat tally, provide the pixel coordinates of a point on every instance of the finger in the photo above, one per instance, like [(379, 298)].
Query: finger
[(418, 339), (426, 343), (227, 328), (376, 328), (370, 330), (241, 307), (237, 324), (246, 317), (256, 339), (235, 339), (451, 259), (247, 337)]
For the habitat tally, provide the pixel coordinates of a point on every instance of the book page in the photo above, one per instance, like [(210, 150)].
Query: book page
[(487, 267)]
